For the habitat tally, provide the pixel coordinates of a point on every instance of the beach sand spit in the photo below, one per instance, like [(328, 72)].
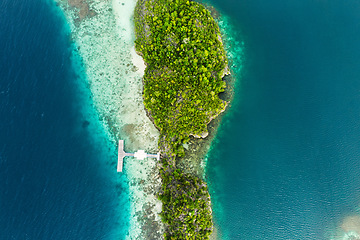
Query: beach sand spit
[(103, 33)]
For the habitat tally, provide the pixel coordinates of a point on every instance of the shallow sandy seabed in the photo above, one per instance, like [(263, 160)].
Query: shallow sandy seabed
[(351, 223), (105, 42), (349, 228)]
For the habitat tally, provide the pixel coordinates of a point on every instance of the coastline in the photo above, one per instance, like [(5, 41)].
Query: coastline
[(105, 41), (176, 169), (105, 38), (234, 48), (132, 169)]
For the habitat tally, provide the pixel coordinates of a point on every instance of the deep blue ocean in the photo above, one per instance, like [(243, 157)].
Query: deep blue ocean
[(58, 175), (286, 161), (285, 164)]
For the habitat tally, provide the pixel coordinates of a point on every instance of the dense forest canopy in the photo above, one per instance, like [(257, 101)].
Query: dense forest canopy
[(181, 45)]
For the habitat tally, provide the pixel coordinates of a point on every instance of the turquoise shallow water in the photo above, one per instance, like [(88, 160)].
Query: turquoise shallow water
[(58, 175), (285, 164)]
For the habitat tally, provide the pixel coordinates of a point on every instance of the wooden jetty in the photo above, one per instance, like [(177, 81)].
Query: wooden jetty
[(140, 154)]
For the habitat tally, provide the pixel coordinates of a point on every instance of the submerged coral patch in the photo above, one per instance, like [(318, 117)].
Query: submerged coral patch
[(105, 42)]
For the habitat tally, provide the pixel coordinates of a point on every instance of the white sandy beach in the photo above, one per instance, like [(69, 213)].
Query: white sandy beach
[(114, 71)]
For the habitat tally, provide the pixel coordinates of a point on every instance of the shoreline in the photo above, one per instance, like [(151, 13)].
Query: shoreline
[(142, 176), (104, 39), (115, 82), (234, 49), (176, 169)]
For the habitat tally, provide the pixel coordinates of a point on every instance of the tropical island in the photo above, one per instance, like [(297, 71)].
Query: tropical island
[(185, 60)]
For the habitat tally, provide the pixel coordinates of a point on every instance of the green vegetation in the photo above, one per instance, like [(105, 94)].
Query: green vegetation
[(181, 45), (186, 205), (179, 41)]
